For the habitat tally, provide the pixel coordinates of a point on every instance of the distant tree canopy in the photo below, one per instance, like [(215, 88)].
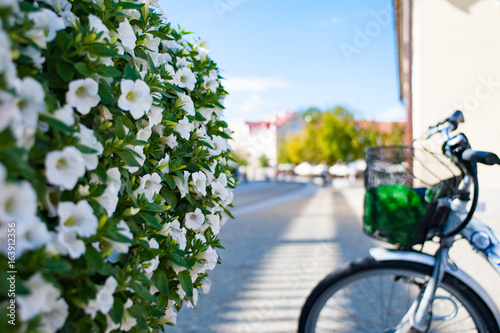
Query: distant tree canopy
[(334, 135)]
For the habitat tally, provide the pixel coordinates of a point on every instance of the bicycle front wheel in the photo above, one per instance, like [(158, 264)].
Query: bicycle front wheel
[(372, 297)]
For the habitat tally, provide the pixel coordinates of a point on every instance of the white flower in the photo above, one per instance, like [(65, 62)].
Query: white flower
[(184, 128), (151, 42), (97, 26), (150, 185), (114, 178), (219, 191), (65, 115), (182, 185), (214, 221), (145, 131), (36, 57), (174, 230), (210, 257), (219, 144), (67, 243), (170, 141), (77, 218), (181, 62), (17, 201), (44, 300), (135, 97), (184, 78), (31, 234), (104, 300), (203, 45), (31, 99), (111, 325), (199, 180), (128, 322), (155, 115), (118, 247), (194, 301), (210, 83), (205, 286), (64, 167), (163, 164), (109, 199), (83, 95), (186, 103), (169, 317), (48, 22), (63, 8), (88, 139), (127, 36), (194, 220)]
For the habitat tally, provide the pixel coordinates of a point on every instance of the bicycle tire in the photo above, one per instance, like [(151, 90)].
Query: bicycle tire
[(347, 301)]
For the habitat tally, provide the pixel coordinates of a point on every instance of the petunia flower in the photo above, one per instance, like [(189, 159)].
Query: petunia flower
[(184, 127), (150, 185), (83, 95), (64, 167), (104, 300), (163, 164), (48, 22), (184, 78), (127, 36), (78, 218), (198, 181), (44, 300), (186, 103), (194, 220), (88, 139), (183, 186), (135, 97)]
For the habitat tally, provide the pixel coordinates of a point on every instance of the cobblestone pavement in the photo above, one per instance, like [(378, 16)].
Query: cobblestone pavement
[(273, 258), (279, 248)]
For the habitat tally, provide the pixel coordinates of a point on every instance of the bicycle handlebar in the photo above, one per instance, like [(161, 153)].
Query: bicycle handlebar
[(458, 149)]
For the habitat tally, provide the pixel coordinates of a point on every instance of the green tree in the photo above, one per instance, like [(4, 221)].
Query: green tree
[(334, 135)]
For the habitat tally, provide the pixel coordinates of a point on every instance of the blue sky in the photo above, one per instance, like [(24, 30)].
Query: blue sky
[(290, 55)]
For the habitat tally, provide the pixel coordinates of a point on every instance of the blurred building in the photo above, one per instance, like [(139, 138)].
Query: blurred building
[(449, 53), (252, 140)]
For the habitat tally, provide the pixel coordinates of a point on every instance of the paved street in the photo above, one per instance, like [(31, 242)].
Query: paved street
[(276, 252), (286, 237)]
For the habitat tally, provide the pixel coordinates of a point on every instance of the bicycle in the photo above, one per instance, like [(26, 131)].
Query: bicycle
[(404, 290)]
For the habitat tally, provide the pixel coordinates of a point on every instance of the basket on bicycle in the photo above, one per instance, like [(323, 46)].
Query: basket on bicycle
[(403, 185)]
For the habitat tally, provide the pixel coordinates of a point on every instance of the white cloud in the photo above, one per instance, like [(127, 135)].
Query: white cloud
[(395, 113), (251, 107), (255, 84)]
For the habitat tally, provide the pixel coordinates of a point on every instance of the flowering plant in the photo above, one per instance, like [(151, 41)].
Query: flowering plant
[(113, 174)]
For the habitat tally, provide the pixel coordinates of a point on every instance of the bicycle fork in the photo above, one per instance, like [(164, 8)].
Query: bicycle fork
[(418, 317)]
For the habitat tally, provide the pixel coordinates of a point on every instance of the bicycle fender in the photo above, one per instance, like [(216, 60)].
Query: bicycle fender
[(382, 254)]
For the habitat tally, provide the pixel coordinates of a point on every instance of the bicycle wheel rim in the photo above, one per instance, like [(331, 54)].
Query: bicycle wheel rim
[(373, 300)]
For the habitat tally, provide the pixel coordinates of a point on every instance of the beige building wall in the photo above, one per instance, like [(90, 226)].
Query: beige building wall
[(456, 65)]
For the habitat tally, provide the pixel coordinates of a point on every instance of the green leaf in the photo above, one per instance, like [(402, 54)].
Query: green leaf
[(186, 283), (117, 310), (109, 71), (119, 129), (57, 265), (65, 70), (150, 219), (83, 69), (100, 171), (130, 5), (117, 237), (93, 257), (178, 260), (105, 92), (160, 281), (130, 193), (25, 6), (101, 50), (130, 73), (138, 312), (171, 86), (159, 34), (85, 150), (128, 157), (143, 292)]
